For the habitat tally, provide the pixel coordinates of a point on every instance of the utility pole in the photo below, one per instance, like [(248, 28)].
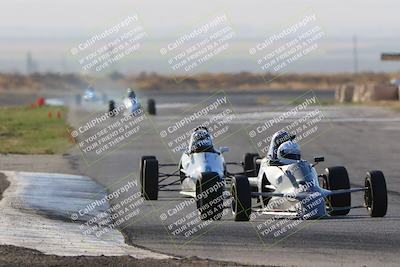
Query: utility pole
[(31, 65)]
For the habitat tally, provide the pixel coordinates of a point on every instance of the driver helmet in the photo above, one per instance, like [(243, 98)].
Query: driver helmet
[(201, 140), (130, 93), (277, 139), (289, 152)]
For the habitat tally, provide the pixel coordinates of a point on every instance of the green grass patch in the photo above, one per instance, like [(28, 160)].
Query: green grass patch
[(26, 130)]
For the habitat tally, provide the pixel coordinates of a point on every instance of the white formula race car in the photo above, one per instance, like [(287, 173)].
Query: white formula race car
[(201, 174), (284, 184), (131, 105), (90, 95)]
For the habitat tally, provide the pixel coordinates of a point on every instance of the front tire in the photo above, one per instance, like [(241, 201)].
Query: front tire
[(336, 178), (241, 198), (210, 204), (150, 179), (376, 194)]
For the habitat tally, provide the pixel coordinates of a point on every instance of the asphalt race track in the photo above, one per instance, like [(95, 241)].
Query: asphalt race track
[(358, 137)]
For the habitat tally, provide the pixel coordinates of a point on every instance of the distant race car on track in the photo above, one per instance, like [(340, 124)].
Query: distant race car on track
[(131, 104), (91, 95)]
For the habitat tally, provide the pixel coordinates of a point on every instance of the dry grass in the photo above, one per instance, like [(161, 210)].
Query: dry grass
[(24, 130)]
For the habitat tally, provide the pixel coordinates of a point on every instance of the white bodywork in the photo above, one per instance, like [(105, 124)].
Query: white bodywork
[(90, 95), (192, 165), (131, 105), (292, 188)]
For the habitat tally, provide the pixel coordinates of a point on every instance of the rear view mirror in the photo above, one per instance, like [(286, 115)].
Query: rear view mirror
[(319, 159), (224, 149)]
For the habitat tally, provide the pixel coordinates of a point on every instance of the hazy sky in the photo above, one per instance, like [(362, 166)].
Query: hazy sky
[(75, 17), (50, 28)]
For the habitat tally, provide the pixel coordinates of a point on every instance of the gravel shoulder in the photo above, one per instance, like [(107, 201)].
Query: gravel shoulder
[(16, 256)]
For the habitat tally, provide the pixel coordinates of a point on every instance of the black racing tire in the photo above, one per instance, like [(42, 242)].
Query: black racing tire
[(151, 106), (150, 179), (241, 198), (142, 170), (250, 167), (111, 107), (375, 196), (211, 204), (336, 178)]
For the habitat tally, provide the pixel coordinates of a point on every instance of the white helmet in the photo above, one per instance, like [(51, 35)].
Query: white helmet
[(201, 140), (289, 152)]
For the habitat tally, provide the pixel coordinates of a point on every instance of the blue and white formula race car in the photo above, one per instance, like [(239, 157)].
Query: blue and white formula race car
[(201, 174), (284, 184), (91, 96), (131, 105)]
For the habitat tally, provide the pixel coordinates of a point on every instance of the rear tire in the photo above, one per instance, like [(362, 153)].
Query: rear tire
[(334, 179), (250, 167), (111, 107), (376, 194), (241, 198), (150, 179), (210, 205), (151, 106)]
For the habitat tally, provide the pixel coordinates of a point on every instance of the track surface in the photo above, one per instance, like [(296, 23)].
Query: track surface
[(359, 138)]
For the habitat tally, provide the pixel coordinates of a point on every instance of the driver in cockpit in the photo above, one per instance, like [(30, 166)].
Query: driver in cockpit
[(130, 94), (201, 141), (288, 153), (278, 138)]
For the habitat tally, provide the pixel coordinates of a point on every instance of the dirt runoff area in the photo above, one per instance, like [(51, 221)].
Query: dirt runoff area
[(19, 256), (16, 256)]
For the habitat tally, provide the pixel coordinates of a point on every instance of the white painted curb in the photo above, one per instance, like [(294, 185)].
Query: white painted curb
[(31, 194)]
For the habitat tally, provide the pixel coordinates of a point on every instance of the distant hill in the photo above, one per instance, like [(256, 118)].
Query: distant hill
[(246, 80)]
